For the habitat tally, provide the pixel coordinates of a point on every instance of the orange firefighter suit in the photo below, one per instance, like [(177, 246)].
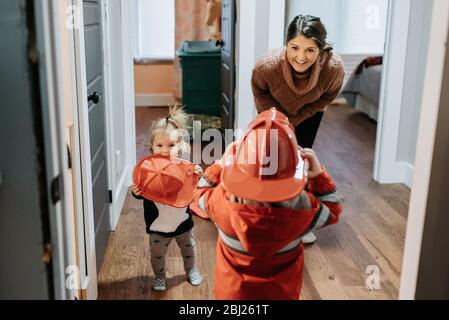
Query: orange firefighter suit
[(259, 250)]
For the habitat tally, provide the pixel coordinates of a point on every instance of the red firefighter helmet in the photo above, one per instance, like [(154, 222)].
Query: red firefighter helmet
[(166, 180), (266, 165)]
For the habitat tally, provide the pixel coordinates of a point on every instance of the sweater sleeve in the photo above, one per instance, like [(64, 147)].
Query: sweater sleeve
[(262, 96)]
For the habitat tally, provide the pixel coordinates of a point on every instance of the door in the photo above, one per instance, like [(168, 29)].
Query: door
[(97, 129), (228, 63), (25, 210)]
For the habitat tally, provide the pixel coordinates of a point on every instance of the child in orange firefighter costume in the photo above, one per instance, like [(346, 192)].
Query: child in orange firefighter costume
[(262, 208)]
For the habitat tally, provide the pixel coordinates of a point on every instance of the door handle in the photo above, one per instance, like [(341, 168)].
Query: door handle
[(95, 98)]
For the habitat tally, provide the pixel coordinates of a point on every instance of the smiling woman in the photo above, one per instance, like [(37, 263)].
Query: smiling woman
[(301, 79)]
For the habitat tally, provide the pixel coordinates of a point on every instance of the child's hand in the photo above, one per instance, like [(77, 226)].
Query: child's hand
[(136, 190), (198, 171), (315, 168)]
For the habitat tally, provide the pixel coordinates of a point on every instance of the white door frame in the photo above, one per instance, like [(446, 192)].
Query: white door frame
[(81, 290), (61, 225), (129, 109), (76, 272), (119, 184), (123, 182), (68, 281), (387, 169), (430, 105), (85, 156), (129, 90)]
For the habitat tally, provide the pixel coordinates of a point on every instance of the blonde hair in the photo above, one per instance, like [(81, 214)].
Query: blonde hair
[(174, 123)]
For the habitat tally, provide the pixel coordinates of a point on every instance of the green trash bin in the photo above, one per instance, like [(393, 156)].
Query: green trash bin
[(201, 78)]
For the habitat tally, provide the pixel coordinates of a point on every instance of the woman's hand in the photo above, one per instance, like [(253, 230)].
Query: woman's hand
[(136, 190), (315, 168)]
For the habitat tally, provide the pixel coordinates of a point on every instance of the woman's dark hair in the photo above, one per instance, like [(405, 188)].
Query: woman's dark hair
[(310, 27)]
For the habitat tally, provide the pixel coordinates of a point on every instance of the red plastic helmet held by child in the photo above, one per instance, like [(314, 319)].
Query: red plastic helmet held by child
[(166, 180), (266, 165)]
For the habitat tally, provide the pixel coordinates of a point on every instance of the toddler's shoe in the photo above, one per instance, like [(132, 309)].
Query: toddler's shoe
[(194, 277), (159, 284), (309, 238)]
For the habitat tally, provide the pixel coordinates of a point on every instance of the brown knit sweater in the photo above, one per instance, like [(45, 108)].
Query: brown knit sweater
[(276, 84)]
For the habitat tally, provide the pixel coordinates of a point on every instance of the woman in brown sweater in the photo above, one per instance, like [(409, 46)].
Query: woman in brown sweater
[(300, 80)]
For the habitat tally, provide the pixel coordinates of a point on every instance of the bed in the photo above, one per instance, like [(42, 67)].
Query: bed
[(362, 91)]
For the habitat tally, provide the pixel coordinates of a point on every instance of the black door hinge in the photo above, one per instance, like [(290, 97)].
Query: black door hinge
[(56, 190), (110, 197)]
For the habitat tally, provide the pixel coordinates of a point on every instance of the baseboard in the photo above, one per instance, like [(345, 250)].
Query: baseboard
[(122, 189), (408, 173), (400, 172), (154, 100)]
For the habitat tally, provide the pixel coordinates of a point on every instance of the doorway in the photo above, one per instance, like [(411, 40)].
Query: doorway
[(388, 203)]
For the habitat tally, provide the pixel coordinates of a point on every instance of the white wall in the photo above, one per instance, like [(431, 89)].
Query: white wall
[(364, 26), (418, 39), (270, 24), (262, 27), (134, 26), (245, 48), (353, 26), (276, 20), (258, 30), (329, 12), (156, 29)]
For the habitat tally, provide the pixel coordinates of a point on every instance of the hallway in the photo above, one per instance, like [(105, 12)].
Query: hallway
[(371, 231)]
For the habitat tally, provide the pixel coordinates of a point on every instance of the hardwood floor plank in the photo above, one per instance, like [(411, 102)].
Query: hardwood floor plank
[(325, 279)]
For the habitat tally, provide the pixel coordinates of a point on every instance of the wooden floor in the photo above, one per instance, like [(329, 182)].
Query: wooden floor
[(371, 231)]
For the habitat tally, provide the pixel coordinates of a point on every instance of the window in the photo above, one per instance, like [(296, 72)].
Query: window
[(156, 32)]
